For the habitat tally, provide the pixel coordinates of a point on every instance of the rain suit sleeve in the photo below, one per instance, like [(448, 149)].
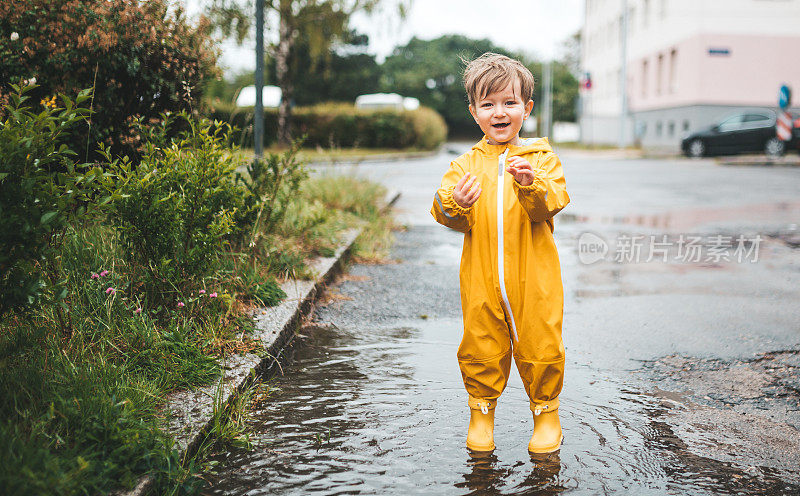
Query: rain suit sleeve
[(445, 209), (547, 195)]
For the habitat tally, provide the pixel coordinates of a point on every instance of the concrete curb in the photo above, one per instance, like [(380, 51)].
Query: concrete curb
[(190, 412), (391, 198)]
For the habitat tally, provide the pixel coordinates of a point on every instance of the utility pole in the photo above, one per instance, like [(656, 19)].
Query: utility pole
[(258, 116), (623, 75), (547, 106)]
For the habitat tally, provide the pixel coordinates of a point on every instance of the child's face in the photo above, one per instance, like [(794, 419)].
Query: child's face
[(500, 114)]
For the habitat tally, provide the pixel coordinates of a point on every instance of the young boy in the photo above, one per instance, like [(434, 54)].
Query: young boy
[(503, 194)]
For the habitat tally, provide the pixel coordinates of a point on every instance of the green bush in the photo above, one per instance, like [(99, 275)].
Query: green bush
[(429, 128), (150, 287), (342, 125), (42, 192), (143, 57), (271, 183), (181, 205)]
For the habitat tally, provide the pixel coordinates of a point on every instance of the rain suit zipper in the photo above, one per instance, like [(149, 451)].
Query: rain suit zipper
[(500, 256)]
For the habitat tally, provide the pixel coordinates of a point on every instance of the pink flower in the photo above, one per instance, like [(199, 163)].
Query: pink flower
[(213, 295), (202, 291), (181, 304), (95, 275), (104, 273), (111, 290), (138, 311)]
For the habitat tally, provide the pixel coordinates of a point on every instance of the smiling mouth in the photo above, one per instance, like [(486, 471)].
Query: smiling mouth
[(501, 125)]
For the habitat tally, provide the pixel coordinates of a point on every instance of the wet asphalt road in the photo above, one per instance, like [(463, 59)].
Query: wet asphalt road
[(683, 374)]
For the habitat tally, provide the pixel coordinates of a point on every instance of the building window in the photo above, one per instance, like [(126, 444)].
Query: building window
[(644, 78), (685, 126), (659, 73), (671, 129), (641, 129), (673, 67), (659, 128)]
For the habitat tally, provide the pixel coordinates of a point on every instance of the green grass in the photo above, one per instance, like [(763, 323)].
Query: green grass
[(80, 411), (318, 155), (82, 385), (356, 202)]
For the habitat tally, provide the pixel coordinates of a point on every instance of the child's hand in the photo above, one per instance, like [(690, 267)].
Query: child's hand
[(521, 170), (467, 191)]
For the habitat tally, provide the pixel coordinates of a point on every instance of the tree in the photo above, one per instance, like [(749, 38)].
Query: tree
[(341, 76), (432, 71), (570, 53), (317, 24), (565, 93)]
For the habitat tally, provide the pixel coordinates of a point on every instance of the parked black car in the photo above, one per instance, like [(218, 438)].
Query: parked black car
[(748, 131)]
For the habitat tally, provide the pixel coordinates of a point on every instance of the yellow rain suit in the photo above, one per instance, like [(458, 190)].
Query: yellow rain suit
[(512, 298)]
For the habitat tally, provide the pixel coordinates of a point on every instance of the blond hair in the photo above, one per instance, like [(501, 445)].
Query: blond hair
[(492, 72)]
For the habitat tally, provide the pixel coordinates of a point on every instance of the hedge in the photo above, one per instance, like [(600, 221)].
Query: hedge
[(342, 125)]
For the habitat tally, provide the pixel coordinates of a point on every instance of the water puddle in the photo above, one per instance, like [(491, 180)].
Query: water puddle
[(381, 410), (781, 213), (372, 401)]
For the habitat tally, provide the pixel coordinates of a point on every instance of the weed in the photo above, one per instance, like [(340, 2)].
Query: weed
[(321, 439)]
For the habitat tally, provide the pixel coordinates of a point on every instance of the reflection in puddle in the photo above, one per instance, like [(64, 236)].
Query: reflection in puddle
[(381, 411), (488, 476), (691, 218)]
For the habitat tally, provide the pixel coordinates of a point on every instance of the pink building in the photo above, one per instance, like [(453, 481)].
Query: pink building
[(688, 64)]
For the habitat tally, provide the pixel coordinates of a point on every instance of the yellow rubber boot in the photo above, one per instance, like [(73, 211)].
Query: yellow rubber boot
[(480, 436), (547, 435)]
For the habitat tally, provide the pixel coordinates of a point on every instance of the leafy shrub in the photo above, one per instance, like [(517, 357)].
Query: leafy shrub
[(429, 127), (143, 57), (41, 193), (181, 204), (272, 182), (342, 125)]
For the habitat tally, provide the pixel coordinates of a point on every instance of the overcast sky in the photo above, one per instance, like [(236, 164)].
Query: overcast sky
[(536, 27)]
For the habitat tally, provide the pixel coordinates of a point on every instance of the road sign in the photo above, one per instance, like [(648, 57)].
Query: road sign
[(586, 81), (784, 126), (784, 97)]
